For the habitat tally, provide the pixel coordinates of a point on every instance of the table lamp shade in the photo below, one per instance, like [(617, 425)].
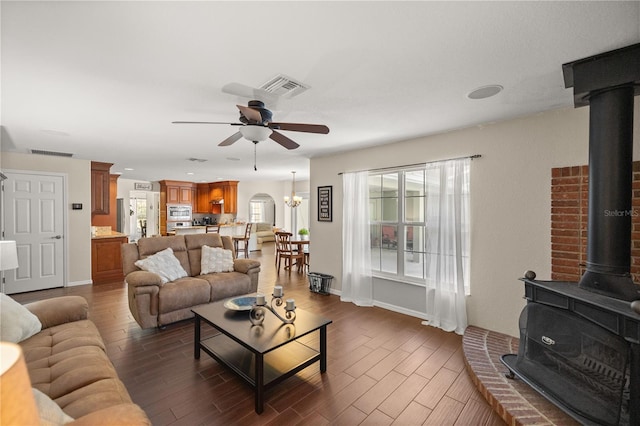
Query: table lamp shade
[(16, 397), (8, 255)]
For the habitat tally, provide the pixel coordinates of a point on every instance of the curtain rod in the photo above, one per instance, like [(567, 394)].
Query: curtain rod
[(474, 156)]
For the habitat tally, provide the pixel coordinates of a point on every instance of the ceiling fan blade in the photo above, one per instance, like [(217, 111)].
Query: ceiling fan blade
[(231, 139), (283, 140), (250, 113), (300, 127), (205, 122)]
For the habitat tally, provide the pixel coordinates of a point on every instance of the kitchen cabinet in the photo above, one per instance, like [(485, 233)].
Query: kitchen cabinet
[(174, 192), (177, 192), (106, 258), (203, 201), (216, 197), (228, 192), (100, 201), (231, 197)]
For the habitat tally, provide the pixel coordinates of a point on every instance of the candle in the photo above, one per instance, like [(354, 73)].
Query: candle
[(291, 305), (260, 299), (277, 291)]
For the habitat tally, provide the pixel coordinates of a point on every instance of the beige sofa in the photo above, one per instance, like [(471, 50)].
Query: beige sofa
[(67, 361), (154, 304), (264, 232)]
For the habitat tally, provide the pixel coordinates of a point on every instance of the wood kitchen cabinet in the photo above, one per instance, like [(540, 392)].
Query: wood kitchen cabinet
[(100, 201), (178, 192), (203, 201), (175, 192), (106, 259), (209, 195), (231, 197), (225, 190)]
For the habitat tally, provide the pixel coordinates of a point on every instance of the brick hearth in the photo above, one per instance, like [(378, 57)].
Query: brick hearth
[(512, 399)]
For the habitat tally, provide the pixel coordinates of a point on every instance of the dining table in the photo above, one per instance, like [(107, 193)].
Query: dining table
[(302, 246)]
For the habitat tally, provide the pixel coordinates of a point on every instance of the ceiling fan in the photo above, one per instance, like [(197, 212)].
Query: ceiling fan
[(256, 125)]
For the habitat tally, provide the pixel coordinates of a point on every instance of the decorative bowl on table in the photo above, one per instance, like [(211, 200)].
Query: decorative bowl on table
[(242, 303)]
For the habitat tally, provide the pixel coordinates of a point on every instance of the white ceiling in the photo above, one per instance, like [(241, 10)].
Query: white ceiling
[(104, 80)]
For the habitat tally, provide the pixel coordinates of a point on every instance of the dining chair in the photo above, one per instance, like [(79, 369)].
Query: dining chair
[(277, 257), (286, 251), (244, 239)]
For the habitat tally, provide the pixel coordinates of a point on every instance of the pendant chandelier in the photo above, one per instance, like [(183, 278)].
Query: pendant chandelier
[(293, 201)]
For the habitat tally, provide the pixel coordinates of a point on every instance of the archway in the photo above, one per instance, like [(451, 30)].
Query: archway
[(262, 208)]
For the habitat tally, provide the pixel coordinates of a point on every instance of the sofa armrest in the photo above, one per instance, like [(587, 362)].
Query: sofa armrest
[(122, 414), (245, 265), (59, 310), (142, 278)]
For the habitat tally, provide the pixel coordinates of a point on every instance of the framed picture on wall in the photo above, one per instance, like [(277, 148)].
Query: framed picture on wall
[(325, 203)]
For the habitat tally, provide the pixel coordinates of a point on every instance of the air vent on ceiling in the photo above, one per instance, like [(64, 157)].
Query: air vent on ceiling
[(52, 153), (198, 160), (283, 85)]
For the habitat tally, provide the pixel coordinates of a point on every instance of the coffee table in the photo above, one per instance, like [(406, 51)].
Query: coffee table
[(262, 355)]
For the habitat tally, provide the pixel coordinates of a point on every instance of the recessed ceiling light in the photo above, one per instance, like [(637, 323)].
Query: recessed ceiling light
[(129, 169), (190, 173), (485, 91)]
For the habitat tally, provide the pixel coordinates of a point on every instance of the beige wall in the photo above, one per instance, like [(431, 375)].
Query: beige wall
[(510, 201), (78, 222)]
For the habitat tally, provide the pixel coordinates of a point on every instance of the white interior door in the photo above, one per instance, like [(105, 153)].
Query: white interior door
[(34, 218)]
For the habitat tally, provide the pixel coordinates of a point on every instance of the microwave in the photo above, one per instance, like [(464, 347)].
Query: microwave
[(179, 212)]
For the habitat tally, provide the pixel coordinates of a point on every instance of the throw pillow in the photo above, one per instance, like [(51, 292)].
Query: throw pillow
[(216, 259), (50, 413), (17, 323), (163, 263)]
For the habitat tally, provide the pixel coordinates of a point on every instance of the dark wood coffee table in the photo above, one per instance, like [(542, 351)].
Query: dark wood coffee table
[(262, 355)]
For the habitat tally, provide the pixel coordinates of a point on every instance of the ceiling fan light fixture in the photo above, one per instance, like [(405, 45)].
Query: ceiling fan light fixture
[(255, 133)]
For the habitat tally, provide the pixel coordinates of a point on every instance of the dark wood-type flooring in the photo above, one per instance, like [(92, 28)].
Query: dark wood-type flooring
[(383, 367)]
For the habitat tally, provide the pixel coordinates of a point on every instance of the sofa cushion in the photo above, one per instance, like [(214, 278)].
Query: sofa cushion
[(17, 323), (50, 413), (194, 243), (163, 263), (228, 284), (183, 293), (69, 364), (149, 246), (216, 259)]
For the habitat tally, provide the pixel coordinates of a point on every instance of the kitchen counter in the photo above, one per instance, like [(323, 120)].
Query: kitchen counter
[(106, 257), (113, 234), (229, 229)]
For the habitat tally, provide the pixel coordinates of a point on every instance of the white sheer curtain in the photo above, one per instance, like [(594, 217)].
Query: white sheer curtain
[(357, 286), (447, 244)]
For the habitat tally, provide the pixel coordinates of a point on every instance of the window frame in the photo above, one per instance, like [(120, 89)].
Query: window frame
[(401, 225)]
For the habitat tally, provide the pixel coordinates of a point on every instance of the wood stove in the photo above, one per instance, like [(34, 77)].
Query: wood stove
[(580, 342)]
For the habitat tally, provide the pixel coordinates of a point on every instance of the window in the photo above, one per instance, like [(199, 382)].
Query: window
[(256, 211), (400, 219)]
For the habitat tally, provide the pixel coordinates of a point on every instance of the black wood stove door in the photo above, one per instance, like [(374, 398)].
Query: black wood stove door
[(575, 363)]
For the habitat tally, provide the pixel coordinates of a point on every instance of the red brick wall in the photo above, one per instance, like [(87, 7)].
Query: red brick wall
[(569, 202)]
